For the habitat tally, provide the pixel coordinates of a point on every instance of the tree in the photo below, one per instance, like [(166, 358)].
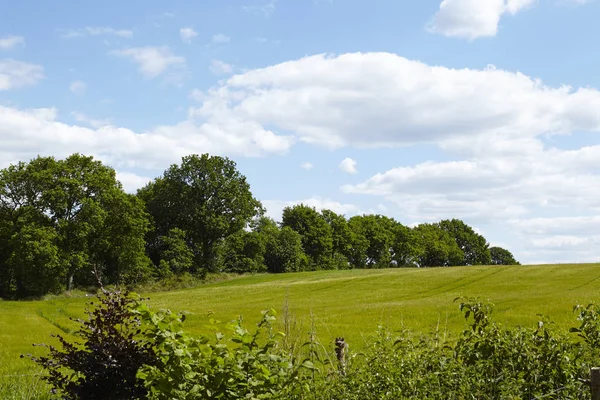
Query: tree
[(439, 249), (283, 247), (405, 246), (79, 216), (359, 244), (378, 231), (175, 256), (207, 198), (316, 234), (502, 256), (474, 246), (243, 252), (341, 238)]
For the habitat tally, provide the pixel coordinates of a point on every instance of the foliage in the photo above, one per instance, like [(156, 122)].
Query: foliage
[(175, 255), (473, 245), (245, 364), (500, 256), (105, 364), (439, 249), (379, 234), (485, 361), (243, 252), (206, 197), (284, 251), (316, 234), (62, 219), (406, 248)]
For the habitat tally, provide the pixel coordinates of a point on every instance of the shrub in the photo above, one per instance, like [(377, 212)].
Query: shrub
[(105, 364)]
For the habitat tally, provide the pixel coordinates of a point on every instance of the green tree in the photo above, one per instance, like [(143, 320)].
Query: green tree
[(283, 247), (474, 246), (341, 238), (77, 207), (175, 256), (439, 249), (378, 231), (502, 256), (243, 252), (207, 198), (359, 244), (36, 261), (406, 248), (317, 240)]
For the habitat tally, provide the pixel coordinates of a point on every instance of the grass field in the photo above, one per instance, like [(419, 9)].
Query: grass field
[(339, 303)]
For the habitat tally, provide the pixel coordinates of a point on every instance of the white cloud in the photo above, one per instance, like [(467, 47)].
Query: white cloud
[(335, 101), (97, 31), (492, 123), (187, 34), (220, 38), (17, 74), (93, 122), (132, 182), (78, 87), (471, 19), (9, 42), (26, 133), (152, 61), (306, 165), (219, 67), (348, 165), (275, 207)]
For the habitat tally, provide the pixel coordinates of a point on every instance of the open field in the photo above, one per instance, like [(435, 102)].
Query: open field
[(342, 303)]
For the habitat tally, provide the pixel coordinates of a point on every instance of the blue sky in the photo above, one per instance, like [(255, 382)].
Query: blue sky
[(484, 110)]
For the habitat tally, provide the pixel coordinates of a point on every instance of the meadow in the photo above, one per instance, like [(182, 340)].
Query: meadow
[(333, 303)]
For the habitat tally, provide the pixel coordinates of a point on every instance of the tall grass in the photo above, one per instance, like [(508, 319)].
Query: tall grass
[(351, 304)]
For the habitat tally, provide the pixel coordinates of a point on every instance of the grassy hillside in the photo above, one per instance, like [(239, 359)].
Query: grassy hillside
[(342, 303)]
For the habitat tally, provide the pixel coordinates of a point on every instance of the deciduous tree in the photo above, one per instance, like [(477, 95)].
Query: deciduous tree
[(207, 198)]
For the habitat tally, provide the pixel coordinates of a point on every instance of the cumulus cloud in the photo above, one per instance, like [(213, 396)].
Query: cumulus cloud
[(348, 165), (491, 124), (132, 182), (187, 34), (78, 87), (97, 31), (275, 207), (471, 19), (152, 61), (9, 42), (17, 74), (336, 100), (26, 133)]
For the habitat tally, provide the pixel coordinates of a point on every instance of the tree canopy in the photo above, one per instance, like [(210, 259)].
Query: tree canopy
[(207, 198), (62, 219)]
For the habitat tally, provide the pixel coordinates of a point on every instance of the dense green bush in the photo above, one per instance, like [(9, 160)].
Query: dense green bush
[(129, 351), (105, 363)]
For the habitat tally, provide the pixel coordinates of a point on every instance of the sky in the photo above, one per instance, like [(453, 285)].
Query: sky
[(482, 110)]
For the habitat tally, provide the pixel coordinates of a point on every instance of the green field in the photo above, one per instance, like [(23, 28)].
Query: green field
[(339, 303)]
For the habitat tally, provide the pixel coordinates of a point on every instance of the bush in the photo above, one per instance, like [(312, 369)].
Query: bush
[(245, 365), (132, 352), (105, 364)]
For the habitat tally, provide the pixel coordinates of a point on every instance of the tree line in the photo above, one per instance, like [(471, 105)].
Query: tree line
[(62, 222)]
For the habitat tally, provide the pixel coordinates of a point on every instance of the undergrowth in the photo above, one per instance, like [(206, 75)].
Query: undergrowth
[(163, 361)]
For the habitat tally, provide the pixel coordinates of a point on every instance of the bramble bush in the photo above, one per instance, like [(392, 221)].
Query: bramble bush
[(130, 352)]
